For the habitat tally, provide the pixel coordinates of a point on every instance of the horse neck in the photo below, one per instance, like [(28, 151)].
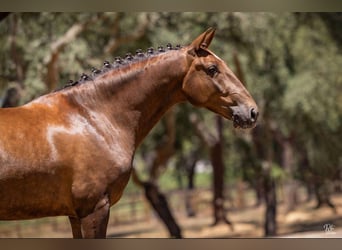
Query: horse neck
[(136, 96)]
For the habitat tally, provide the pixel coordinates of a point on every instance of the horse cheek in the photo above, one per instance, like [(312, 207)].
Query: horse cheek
[(195, 90)]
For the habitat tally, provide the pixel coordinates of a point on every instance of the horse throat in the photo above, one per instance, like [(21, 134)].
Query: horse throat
[(160, 89)]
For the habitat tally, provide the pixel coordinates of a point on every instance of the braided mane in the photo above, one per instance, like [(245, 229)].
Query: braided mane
[(118, 63)]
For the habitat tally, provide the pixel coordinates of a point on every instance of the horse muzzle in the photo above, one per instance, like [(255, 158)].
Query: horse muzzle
[(244, 117)]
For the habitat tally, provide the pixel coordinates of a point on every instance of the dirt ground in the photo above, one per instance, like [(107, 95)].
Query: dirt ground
[(303, 222)]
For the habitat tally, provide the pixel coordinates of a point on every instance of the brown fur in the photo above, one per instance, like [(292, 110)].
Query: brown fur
[(70, 152)]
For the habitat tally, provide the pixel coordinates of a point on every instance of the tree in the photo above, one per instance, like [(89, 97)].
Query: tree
[(291, 65), (214, 143), (155, 160)]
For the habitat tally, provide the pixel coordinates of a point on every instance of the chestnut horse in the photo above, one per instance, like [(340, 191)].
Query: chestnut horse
[(70, 152)]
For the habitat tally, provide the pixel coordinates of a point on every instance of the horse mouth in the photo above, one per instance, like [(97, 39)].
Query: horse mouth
[(238, 122)]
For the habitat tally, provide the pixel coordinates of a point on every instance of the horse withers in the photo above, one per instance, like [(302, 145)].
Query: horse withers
[(70, 152)]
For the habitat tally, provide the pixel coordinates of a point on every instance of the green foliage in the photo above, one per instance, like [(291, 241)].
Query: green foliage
[(277, 172), (291, 61)]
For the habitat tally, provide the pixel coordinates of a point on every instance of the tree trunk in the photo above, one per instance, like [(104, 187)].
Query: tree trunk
[(160, 205), (310, 190), (316, 186), (290, 185), (190, 211), (190, 172), (263, 140), (214, 143), (158, 159), (270, 226), (240, 191), (259, 192), (322, 194), (306, 173), (287, 161), (216, 157)]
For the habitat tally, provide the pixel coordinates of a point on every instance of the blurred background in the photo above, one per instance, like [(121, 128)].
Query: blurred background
[(195, 175)]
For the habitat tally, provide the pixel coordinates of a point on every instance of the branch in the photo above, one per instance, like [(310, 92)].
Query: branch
[(3, 15), (165, 149), (238, 69), (16, 57), (136, 34), (136, 179), (52, 77), (202, 130)]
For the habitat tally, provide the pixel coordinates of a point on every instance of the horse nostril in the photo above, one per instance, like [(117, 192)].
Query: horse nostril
[(254, 114)]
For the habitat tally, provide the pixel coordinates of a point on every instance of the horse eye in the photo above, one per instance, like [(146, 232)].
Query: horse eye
[(212, 70)]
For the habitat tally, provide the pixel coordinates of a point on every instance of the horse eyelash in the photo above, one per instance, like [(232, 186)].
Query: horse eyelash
[(212, 70)]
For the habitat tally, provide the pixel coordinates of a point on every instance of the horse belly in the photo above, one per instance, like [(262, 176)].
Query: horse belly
[(34, 195)]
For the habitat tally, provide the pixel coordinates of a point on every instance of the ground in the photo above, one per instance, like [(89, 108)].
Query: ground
[(303, 222)]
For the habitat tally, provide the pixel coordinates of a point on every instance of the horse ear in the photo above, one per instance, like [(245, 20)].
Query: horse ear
[(203, 41)]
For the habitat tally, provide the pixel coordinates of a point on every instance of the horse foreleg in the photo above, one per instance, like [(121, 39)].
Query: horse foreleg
[(76, 227), (95, 224)]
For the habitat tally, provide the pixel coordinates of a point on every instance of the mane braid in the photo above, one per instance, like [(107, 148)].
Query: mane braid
[(119, 63)]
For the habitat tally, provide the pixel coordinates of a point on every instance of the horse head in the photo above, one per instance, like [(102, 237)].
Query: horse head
[(210, 83)]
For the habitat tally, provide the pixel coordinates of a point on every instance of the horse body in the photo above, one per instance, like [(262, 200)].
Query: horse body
[(70, 152)]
